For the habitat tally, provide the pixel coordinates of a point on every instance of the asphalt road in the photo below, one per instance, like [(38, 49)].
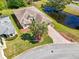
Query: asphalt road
[(53, 51)]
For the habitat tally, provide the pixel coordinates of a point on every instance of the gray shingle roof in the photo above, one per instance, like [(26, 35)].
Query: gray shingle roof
[(6, 26)]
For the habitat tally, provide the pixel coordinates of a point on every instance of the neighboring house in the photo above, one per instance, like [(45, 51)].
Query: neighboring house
[(2, 56), (76, 1), (6, 27), (6, 30), (25, 15), (2, 47)]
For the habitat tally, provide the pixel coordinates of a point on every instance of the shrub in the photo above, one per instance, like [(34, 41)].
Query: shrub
[(16, 3)]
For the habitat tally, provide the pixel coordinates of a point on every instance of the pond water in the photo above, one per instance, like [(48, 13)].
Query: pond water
[(72, 21)]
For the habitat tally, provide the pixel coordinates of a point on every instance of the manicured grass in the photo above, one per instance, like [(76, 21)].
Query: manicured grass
[(73, 33), (72, 10), (6, 12), (17, 46), (39, 3), (3, 4), (77, 4)]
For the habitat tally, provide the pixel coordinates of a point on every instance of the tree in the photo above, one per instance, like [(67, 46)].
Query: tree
[(55, 8), (38, 29), (2, 5), (16, 3), (58, 4)]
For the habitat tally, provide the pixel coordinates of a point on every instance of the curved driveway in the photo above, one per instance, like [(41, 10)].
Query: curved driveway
[(57, 38), (59, 51)]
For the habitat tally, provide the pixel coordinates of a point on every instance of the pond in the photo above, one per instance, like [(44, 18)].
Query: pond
[(72, 21), (69, 20)]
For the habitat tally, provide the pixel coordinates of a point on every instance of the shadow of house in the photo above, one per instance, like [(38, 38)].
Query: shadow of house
[(1, 41), (16, 20)]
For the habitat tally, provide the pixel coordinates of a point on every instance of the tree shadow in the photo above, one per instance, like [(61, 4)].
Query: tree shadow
[(28, 37)]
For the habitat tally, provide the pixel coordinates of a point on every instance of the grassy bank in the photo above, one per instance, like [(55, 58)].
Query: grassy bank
[(72, 33), (72, 10)]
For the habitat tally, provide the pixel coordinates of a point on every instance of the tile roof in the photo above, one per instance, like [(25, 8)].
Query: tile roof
[(22, 15)]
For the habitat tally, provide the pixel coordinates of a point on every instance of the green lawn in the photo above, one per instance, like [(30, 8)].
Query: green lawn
[(72, 10), (77, 4), (17, 46), (73, 33), (6, 11)]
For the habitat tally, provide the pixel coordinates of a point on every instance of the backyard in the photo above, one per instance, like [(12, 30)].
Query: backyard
[(72, 33)]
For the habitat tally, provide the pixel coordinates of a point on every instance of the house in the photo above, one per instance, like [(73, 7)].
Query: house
[(25, 15), (76, 1), (2, 47), (2, 56), (6, 30), (6, 27)]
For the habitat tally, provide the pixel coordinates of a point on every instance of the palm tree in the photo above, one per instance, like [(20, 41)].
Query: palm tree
[(38, 29)]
